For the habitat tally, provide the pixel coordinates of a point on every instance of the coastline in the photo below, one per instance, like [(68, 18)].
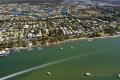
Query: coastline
[(60, 42), (77, 39)]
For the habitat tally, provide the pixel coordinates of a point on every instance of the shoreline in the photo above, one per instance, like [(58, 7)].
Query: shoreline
[(85, 38), (60, 42)]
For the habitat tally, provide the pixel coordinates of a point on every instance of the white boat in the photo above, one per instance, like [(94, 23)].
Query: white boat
[(17, 49), (119, 75), (48, 73), (61, 48), (88, 74), (90, 40), (7, 51), (39, 48), (1, 54), (71, 46), (4, 52)]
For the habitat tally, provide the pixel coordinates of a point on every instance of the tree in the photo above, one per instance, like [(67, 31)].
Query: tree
[(118, 28)]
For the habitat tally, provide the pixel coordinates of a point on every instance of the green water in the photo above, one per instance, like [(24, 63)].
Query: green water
[(102, 59)]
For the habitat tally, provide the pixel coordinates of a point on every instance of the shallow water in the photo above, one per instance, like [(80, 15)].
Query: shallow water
[(102, 59)]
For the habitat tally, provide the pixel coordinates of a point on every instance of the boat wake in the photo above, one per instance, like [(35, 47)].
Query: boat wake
[(48, 64)]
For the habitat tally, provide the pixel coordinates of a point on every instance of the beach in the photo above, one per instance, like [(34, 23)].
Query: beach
[(76, 39), (29, 48), (61, 42)]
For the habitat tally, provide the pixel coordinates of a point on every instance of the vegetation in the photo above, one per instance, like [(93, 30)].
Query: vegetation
[(118, 28)]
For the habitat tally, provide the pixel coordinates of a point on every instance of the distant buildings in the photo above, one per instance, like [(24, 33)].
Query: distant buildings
[(21, 24), (30, 1)]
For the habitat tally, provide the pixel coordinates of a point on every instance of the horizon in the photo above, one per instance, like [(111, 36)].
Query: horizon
[(51, 1)]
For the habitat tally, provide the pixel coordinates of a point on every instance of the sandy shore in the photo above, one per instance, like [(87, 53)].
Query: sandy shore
[(71, 40), (60, 42), (77, 39)]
